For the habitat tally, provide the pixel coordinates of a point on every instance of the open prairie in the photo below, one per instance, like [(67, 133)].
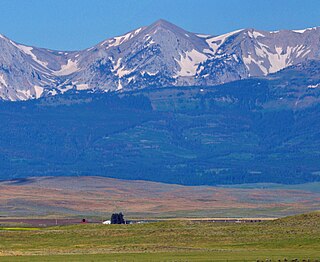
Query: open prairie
[(289, 238), (97, 198)]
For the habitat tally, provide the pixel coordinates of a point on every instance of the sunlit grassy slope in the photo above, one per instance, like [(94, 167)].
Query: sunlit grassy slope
[(291, 237), (98, 197)]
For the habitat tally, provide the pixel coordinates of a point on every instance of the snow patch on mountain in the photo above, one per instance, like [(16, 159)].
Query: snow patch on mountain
[(28, 51), (189, 62), (255, 34), (119, 85), (82, 86), (123, 72), (65, 88), (149, 73), (217, 41), (314, 86), (280, 59), (116, 41), (38, 90), (249, 60), (305, 30), (270, 61), (67, 69), (203, 35), (3, 81), (120, 70), (24, 94)]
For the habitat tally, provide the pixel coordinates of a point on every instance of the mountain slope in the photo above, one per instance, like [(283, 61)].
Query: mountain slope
[(159, 55), (28, 72), (253, 130)]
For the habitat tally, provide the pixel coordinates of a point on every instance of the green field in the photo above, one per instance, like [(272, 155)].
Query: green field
[(290, 238)]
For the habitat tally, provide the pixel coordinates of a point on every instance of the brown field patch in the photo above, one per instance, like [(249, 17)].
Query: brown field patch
[(96, 196)]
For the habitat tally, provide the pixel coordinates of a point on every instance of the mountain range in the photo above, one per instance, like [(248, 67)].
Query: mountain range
[(159, 55), (185, 108), (256, 130)]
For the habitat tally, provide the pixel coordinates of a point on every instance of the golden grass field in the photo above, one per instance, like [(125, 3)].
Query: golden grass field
[(99, 197)]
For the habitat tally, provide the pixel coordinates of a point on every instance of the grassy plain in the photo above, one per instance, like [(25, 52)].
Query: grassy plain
[(98, 197), (290, 238)]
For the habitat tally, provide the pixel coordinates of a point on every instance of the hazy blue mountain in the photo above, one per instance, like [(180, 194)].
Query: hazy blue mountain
[(159, 55), (255, 130)]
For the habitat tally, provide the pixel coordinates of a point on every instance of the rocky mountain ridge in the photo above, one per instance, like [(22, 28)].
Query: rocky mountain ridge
[(159, 55)]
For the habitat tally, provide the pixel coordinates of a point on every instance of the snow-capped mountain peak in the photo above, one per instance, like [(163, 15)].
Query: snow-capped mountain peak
[(158, 55)]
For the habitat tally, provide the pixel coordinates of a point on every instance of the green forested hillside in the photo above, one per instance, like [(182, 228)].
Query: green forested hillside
[(258, 130)]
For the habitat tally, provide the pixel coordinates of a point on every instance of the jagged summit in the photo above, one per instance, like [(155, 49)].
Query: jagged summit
[(161, 26), (158, 55), (164, 24)]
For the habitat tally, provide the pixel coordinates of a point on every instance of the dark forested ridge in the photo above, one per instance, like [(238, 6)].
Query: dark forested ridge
[(256, 130)]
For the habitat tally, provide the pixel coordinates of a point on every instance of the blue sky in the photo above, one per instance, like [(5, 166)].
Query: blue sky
[(78, 24)]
